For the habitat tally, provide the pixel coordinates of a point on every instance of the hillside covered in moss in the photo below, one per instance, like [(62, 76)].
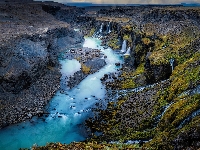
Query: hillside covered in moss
[(154, 101), (159, 83)]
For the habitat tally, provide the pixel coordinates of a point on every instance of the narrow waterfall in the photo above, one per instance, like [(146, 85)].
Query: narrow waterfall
[(98, 33), (172, 63), (101, 28), (128, 51), (123, 50), (109, 28)]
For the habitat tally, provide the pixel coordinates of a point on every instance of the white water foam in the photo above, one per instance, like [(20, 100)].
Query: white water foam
[(69, 67), (67, 111), (123, 50), (128, 52)]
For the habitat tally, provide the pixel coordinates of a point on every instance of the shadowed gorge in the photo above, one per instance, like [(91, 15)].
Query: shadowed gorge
[(106, 77)]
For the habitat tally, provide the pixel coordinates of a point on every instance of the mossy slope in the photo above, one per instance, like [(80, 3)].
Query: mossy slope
[(158, 112)]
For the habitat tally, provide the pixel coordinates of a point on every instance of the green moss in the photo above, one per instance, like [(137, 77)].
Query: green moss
[(128, 84), (140, 69), (147, 134), (146, 41), (86, 146), (85, 68), (91, 32), (166, 130), (183, 76), (128, 81), (192, 124), (113, 41), (161, 141), (127, 37), (192, 104), (179, 110), (143, 44), (114, 44), (127, 28), (174, 46), (138, 48), (161, 102)]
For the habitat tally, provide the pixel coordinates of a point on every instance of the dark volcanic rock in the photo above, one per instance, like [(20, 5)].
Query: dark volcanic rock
[(156, 73), (188, 139), (28, 59), (139, 106)]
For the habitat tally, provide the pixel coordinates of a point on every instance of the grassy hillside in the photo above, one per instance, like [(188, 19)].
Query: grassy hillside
[(166, 112)]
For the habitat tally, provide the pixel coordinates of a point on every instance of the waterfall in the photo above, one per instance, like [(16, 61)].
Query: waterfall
[(171, 61), (101, 28), (97, 34), (123, 50), (109, 29), (128, 51)]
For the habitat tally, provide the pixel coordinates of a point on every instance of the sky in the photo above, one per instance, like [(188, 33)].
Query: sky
[(130, 1)]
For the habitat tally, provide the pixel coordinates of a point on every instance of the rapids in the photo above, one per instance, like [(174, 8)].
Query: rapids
[(67, 110)]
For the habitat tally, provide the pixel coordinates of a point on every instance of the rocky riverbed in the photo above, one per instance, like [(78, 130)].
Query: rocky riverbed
[(31, 42), (91, 61), (148, 100)]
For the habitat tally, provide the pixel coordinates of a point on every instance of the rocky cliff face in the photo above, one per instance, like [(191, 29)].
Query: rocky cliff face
[(162, 104), (162, 67), (29, 73)]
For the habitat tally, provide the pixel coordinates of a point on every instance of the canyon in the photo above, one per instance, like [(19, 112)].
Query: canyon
[(151, 98)]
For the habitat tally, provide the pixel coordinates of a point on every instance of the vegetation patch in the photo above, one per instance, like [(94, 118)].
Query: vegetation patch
[(128, 78), (173, 46), (85, 146), (85, 68), (114, 42), (183, 77), (158, 111), (113, 19), (92, 31)]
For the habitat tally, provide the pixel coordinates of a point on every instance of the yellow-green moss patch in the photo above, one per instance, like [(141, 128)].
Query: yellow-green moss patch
[(85, 68)]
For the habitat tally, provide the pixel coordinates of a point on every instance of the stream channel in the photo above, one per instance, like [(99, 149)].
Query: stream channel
[(67, 109)]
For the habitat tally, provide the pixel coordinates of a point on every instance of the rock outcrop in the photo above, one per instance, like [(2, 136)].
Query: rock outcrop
[(91, 61), (152, 97), (30, 43)]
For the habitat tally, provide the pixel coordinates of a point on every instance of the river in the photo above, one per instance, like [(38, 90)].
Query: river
[(68, 109)]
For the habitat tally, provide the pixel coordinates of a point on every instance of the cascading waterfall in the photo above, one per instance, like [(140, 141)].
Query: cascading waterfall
[(98, 34), (101, 29), (128, 51), (123, 50), (108, 28)]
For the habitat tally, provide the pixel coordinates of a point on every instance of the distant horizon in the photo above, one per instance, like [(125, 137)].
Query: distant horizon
[(96, 4), (129, 2)]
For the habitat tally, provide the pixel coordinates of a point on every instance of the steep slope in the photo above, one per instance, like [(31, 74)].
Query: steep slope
[(30, 41), (158, 89), (165, 50)]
